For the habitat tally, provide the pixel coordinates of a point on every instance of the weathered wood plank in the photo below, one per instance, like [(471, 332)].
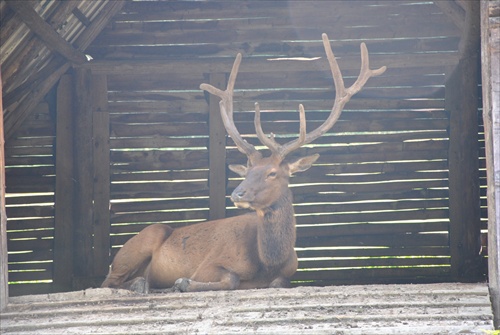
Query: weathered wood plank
[(374, 262), (217, 9), (326, 197), (372, 252), (427, 309), (32, 245), (101, 176), (31, 211), (44, 31), (161, 205), (195, 105), (158, 142), (166, 129), (198, 215), (490, 38), (379, 275), (15, 117), (32, 223), (463, 154), (372, 229), (163, 117), (257, 64), (165, 188), (29, 256), (32, 276), (217, 153), (386, 216), (4, 282), (151, 160), (394, 206), (246, 34), (83, 175)]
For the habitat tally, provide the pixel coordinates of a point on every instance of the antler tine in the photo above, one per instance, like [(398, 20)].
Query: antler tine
[(226, 111), (270, 142), (267, 141), (342, 95)]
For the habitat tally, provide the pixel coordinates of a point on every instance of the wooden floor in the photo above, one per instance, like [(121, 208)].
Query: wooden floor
[(371, 309)]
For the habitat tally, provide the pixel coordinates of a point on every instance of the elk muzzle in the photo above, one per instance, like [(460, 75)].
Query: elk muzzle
[(240, 197)]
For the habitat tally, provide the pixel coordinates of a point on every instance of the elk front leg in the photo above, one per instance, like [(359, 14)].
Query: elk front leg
[(229, 281), (280, 282)]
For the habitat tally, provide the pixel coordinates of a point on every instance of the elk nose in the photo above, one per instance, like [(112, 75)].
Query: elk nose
[(238, 195)]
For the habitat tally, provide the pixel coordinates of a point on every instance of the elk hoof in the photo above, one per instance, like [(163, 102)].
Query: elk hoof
[(280, 282), (140, 285), (182, 284)]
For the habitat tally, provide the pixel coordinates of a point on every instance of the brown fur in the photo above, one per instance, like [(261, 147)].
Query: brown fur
[(254, 250)]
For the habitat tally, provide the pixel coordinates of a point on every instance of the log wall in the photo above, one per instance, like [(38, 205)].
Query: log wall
[(375, 207)]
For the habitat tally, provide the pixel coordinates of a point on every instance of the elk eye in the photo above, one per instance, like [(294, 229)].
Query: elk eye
[(272, 174)]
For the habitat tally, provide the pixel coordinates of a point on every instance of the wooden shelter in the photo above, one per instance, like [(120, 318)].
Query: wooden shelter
[(107, 131)]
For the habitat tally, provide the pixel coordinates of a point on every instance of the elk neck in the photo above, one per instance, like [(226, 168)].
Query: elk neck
[(276, 232)]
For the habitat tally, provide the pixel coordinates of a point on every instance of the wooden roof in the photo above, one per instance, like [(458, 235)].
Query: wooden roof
[(373, 309), (41, 39)]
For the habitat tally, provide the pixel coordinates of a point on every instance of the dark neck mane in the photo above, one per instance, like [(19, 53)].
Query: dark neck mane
[(276, 234)]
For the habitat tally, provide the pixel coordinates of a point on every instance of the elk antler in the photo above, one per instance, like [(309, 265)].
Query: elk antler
[(226, 111), (342, 96)]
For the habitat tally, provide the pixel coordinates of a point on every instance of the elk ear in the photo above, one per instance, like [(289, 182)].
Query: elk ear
[(302, 164), (240, 170)]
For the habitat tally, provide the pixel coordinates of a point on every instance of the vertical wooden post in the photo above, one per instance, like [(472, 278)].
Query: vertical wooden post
[(217, 153), (82, 157), (64, 203), (462, 101), (83, 170), (101, 173), (490, 40), (4, 275)]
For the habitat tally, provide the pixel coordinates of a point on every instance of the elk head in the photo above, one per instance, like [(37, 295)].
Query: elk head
[(266, 178)]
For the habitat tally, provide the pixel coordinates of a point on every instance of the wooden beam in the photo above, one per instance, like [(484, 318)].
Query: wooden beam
[(454, 11), (98, 24), (83, 175), (34, 49), (24, 109), (80, 16), (16, 117), (4, 275), (33, 82), (217, 153), (101, 176), (64, 204), (462, 102), (490, 38), (44, 31)]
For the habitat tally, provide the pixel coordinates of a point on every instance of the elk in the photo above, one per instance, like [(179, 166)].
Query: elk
[(253, 250)]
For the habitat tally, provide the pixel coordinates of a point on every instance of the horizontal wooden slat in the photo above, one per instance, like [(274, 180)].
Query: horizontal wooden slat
[(153, 217), (148, 205), (255, 65), (31, 256), (366, 229), (157, 142), (361, 251), (374, 262), (30, 276), (379, 275), (393, 240), (198, 105), (30, 211), (29, 244)]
